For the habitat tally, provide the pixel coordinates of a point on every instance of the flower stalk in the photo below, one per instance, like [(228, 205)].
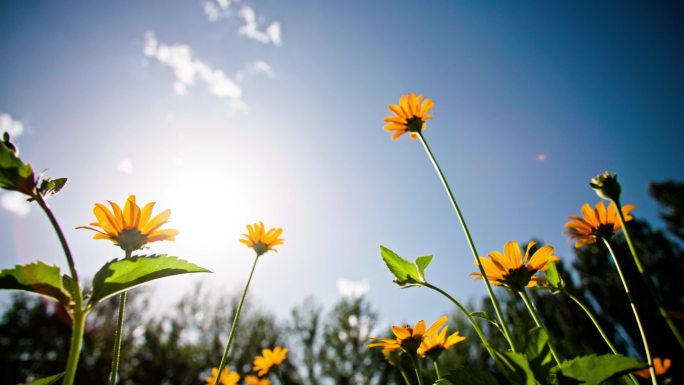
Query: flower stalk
[(471, 244), (537, 321)]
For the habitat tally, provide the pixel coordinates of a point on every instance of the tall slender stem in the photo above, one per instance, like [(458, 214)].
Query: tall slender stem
[(419, 376), (537, 321), (118, 334), (647, 280), (439, 375), (403, 374), (224, 358), (495, 302), (647, 350), (77, 329)]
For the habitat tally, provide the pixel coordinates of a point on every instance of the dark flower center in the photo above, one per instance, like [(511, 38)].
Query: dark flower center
[(415, 124)]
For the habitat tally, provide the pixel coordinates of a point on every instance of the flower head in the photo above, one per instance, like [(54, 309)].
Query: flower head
[(261, 240), (661, 367), (227, 377), (409, 115), (596, 223), (606, 186), (254, 380), (408, 338), (434, 344), (130, 228), (512, 270), (268, 359)]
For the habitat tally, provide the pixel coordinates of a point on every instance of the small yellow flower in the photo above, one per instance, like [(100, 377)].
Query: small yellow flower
[(408, 338), (227, 377), (512, 270), (130, 228), (436, 343), (409, 115), (254, 380), (661, 367), (261, 240), (596, 223), (269, 358)]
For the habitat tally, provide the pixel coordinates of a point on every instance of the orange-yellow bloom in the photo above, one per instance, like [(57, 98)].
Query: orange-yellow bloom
[(409, 115), (661, 367), (408, 338), (596, 223), (512, 270), (261, 240), (227, 377), (254, 380), (130, 228), (268, 359), (435, 343)]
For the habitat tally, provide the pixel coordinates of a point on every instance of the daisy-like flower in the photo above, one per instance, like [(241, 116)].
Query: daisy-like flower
[(434, 344), (130, 228), (261, 240), (408, 338), (227, 377), (512, 270), (254, 380), (596, 223), (409, 115), (661, 367), (268, 359)]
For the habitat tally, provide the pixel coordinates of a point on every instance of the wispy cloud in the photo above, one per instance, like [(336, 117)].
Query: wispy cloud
[(352, 289), (250, 28), (15, 202), (188, 69), (125, 166), (258, 67), (216, 9), (13, 127)]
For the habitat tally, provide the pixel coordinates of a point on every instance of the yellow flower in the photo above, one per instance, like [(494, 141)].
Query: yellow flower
[(596, 223), (254, 380), (436, 343), (661, 367), (132, 228), (512, 270), (409, 115), (227, 377), (408, 338), (269, 358), (260, 240)]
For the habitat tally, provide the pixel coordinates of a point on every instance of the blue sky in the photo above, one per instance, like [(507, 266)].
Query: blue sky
[(233, 112)]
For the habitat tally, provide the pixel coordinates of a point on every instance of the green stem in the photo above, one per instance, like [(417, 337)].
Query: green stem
[(537, 321), (439, 375), (279, 375), (117, 339), (403, 374), (495, 302), (647, 280), (419, 376), (224, 358), (77, 329), (647, 350)]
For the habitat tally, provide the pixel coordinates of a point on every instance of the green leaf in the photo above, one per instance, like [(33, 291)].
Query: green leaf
[(484, 315), (46, 380), (538, 353), (443, 381), (594, 370), (519, 371), (14, 174), (51, 186), (422, 263), (553, 277), (37, 278), (470, 376), (404, 271), (123, 274)]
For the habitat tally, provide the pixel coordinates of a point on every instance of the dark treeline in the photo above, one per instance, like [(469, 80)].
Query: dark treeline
[(180, 347)]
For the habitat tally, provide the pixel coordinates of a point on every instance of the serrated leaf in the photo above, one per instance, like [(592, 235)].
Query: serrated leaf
[(422, 263), (123, 274), (470, 376), (594, 370), (14, 173), (46, 381), (538, 352), (518, 368), (404, 271), (37, 278)]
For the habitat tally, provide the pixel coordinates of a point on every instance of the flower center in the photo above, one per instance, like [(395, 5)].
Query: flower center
[(415, 124), (131, 239), (517, 279), (260, 247)]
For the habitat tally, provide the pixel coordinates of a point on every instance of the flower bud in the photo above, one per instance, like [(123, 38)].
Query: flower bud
[(606, 186)]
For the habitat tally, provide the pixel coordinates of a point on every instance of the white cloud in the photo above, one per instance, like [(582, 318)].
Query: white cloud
[(250, 29), (125, 166), (216, 9), (15, 202), (351, 289), (258, 67), (13, 127), (188, 69)]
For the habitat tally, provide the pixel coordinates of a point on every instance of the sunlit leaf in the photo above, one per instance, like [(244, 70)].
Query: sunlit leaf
[(538, 352), (404, 271), (422, 263), (15, 174), (553, 277), (518, 368), (37, 278), (46, 380), (594, 370), (123, 274)]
